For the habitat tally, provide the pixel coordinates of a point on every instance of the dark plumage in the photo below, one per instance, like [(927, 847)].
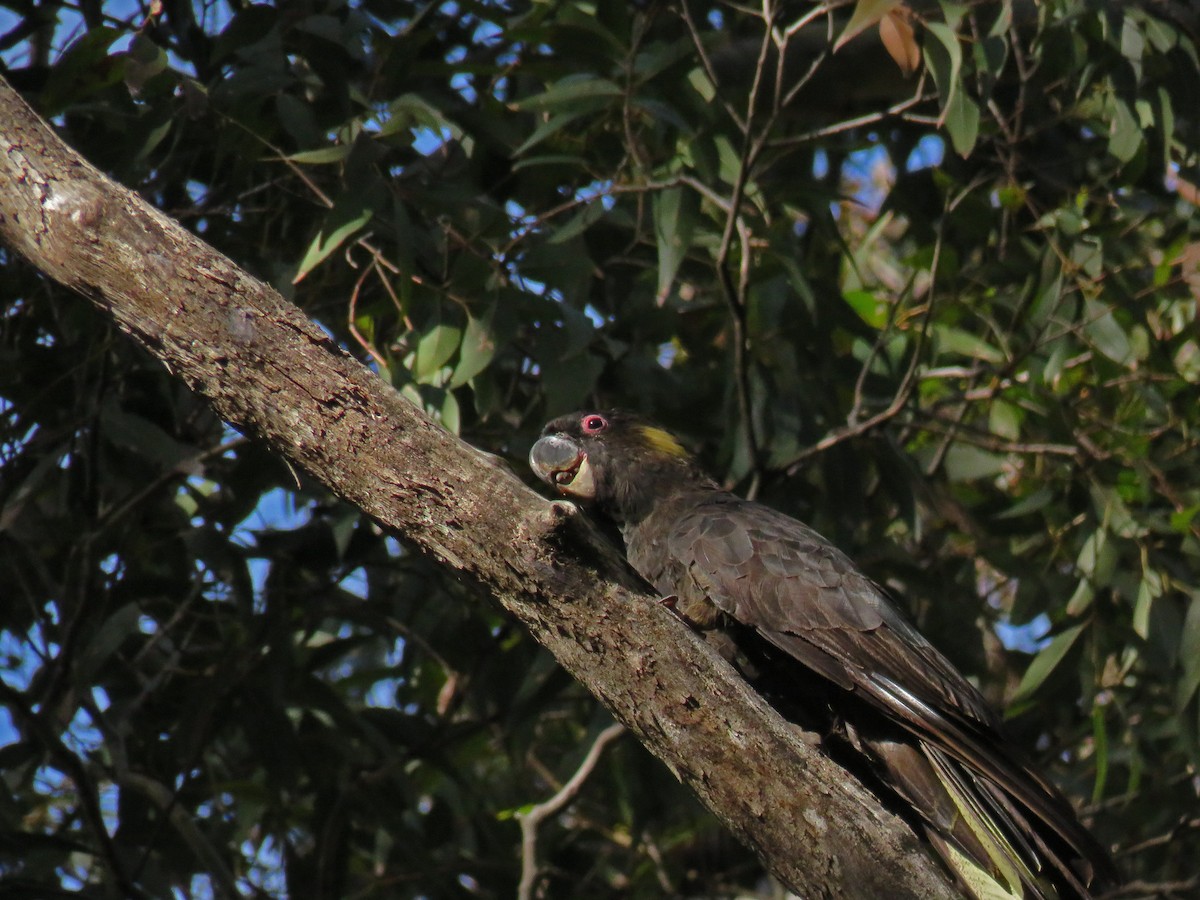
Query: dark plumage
[(788, 604)]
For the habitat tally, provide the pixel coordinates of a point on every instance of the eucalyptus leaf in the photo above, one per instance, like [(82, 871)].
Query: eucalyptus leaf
[(1046, 662)]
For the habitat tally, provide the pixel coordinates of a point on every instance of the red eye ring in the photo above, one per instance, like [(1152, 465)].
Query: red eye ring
[(593, 424)]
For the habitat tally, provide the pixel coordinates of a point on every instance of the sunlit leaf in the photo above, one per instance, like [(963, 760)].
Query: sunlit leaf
[(348, 216), (870, 308), (434, 350), (334, 154)]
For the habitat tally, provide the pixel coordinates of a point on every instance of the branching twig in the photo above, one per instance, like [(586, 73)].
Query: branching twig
[(808, 137), (907, 385), (735, 294), (45, 734), (532, 820), (709, 69)]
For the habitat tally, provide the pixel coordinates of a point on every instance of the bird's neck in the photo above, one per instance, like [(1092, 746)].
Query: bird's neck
[(655, 486)]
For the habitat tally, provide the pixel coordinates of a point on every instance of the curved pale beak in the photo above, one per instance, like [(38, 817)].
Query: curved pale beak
[(559, 461)]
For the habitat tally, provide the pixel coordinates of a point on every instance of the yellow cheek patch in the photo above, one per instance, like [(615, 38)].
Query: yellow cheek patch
[(662, 441)]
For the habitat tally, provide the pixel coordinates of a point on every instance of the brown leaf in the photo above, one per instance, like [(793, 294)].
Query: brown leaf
[(900, 41), (866, 13)]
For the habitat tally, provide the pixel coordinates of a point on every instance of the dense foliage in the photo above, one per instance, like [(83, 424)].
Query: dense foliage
[(948, 318)]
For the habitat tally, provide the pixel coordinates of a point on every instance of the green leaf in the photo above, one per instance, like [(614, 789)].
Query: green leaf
[(1039, 499), (449, 414), (477, 349), (943, 58), (960, 114), (866, 13), (107, 640), (1106, 334), (555, 124), (1097, 558), (702, 84), (153, 139), (964, 343), (143, 60), (962, 122), (1181, 521), (1082, 598), (1046, 662), (1133, 41), (1004, 419), (566, 160), (675, 213), (138, 434), (1115, 513), (434, 350), (569, 381), (84, 69), (870, 308), (954, 11), (567, 92), (1100, 745), (967, 463), (323, 155), (1189, 654), (1125, 135), (410, 111), (1150, 589), (349, 215), (578, 223)]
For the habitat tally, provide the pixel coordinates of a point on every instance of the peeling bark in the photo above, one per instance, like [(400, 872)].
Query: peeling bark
[(271, 372)]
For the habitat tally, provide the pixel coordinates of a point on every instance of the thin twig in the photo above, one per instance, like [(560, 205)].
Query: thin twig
[(850, 124), (709, 69), (352, 314), (533, 818), (907, 385), (45, 733), (735, 294)]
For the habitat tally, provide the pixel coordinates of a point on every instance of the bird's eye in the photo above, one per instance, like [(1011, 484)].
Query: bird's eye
[(594, 424)]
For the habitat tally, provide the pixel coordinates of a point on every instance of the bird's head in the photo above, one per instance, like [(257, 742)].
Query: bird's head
[(613, 460)]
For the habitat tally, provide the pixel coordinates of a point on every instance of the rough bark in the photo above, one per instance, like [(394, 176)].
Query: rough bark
[(271, 372)]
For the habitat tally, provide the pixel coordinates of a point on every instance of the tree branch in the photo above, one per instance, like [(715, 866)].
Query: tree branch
[(271, 372), (532, 820)]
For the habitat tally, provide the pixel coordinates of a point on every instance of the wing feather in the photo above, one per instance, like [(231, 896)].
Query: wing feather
[(807, 598)]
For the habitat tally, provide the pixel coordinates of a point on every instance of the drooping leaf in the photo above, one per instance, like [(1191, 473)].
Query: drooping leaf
[(569, 91), (675, 213), (1045, 663), (900, 40), (350, 214), (477, 350)]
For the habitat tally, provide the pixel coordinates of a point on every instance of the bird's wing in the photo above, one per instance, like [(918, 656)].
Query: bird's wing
[(776, 574), (806, 597)]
